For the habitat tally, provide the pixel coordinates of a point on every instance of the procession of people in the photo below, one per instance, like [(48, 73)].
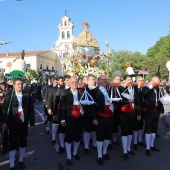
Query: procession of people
[(93, 109)]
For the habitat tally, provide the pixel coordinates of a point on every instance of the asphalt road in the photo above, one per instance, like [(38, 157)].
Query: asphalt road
[(42, 155)]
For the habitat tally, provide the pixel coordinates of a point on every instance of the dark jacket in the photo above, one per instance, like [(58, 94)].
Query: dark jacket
[(150, 99), (43, 91), (125, 102), (27, 105), (66, 103), (100, 101), (57, 99), (47, 93), (51, 97)]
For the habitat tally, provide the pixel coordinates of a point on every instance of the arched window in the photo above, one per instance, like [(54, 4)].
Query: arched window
[(68, 34), (65, 23), (63, 35)]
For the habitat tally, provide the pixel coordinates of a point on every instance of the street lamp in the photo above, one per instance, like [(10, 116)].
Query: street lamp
[(4, 42), (108, 57)]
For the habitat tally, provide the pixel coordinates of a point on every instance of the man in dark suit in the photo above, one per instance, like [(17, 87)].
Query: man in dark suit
[(153, 109), (130, 112), (103, 118), (44, 98), (49, 113), (116, 116), (21, 111), (51, 105), (87, 116), (61, 129), (70, 113), (138, 129)]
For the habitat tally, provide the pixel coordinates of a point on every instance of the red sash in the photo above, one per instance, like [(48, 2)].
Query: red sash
[(108, 112), (19, 114), (155, 109), (128, 109), (76, 111)]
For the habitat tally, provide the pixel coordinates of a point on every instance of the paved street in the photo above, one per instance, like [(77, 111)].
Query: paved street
[(42, 155)]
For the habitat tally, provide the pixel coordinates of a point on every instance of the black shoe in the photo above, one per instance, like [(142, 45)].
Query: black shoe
[(141, 143), (48, 132), (21, 165), (86, 150), (109, 146), (131, 152), (155, 149), (125, 156), (95, 147), (4, 151), (135, 146), (148, 152), (68, 162), (115, 143), (53, 141), (76, 156), (106, 157), (157, 135), (61, 150), (12, 168), (100, 161)]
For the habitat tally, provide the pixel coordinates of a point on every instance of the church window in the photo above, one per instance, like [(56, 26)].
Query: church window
[(28, 65), (63, 35), (64, 55), (68, 34), (65, 23)]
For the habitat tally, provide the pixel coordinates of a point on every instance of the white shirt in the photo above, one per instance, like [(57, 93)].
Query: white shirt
[(19, 97), (75, 96), (90, 87), (106, 96)]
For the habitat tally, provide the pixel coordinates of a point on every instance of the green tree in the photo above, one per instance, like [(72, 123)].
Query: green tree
[(31, 75), (158, 55), (119, 59)]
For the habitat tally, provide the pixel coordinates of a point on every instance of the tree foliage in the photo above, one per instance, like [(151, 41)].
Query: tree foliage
[(156, 57), (31, 75), (119, 59)]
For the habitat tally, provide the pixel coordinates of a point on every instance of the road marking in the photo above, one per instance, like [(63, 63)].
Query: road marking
[(4, 163), (40, 114)]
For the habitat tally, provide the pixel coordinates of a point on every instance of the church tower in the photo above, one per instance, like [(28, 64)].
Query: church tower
[(63, 46)]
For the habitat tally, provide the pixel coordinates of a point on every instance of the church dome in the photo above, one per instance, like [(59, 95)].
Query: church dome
[(86, 43)]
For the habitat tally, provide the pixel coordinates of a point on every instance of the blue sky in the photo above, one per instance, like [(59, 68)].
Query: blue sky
[(133, 25)]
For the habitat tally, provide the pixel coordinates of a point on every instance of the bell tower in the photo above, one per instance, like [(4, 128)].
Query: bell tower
[(63, 46)]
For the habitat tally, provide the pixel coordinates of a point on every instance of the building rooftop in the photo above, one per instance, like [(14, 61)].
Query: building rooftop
[(27, 53)]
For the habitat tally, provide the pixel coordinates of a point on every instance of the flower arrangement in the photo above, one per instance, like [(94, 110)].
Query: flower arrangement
[(87, 69)]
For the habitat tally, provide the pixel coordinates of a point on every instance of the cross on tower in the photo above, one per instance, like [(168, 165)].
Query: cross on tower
[(65, 12)]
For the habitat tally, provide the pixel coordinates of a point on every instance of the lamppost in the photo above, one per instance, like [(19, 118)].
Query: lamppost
[(4, 42), (108, 57)]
